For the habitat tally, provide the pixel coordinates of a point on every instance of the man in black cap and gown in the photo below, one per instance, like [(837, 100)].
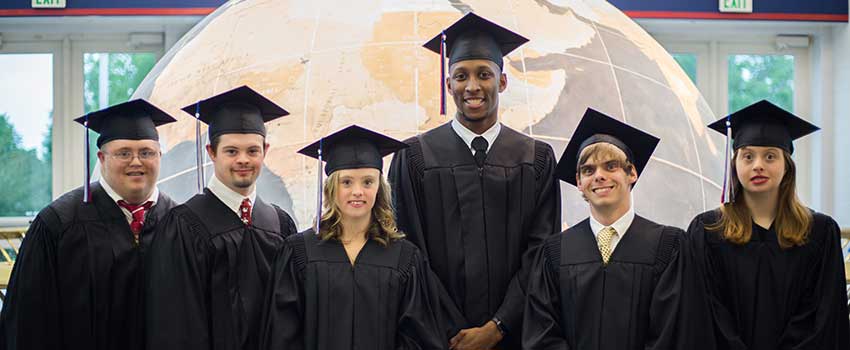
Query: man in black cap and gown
[(78, 281), (476, 196), (211, 257), (612, 281)]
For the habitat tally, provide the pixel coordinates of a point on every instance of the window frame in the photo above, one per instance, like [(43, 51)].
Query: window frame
[(18, 45)]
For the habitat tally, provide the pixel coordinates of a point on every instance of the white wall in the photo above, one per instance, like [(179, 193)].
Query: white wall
[(839, 162)]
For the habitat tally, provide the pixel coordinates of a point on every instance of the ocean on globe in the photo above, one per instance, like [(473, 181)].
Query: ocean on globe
[(335, 63)]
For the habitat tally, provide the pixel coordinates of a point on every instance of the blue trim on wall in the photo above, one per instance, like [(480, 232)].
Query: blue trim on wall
[(836, 7), (99, 4)]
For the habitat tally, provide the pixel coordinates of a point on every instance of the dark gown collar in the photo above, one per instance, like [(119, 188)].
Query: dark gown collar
[(109, 210), (638, 245), (761, 234), (452, 151), (217, 217), (373, 253), (106, 207)]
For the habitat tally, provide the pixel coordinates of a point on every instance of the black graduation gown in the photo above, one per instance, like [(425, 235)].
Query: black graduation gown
[(208, 273), (78, 279), (478, 227), (319, 301), (577, 302), (763, 297)]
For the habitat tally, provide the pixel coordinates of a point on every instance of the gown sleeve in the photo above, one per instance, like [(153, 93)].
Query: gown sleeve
[(704, 294), (406, 183), (31, 312), (820, 321), (665, 316), (287, 225), (419, 323), (404, 178), (542, 325), (177, 314), (546, 222), (282, 324)]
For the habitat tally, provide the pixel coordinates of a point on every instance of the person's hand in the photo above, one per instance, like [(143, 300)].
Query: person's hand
[(479, 338)]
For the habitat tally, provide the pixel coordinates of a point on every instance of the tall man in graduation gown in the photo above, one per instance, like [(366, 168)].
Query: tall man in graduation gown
[(612, 280), (211, 257), (476, 196), (78, 279)]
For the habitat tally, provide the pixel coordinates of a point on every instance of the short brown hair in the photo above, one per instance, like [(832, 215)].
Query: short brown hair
[(215, 140)]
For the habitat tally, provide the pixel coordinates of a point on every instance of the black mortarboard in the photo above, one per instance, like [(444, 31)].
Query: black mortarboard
[(759, 124), (353, 147), (238, 111), (596, 127), (131, 120), (472, 37), (764, 124)]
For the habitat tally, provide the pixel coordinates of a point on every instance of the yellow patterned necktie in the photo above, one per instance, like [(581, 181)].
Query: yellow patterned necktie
[(604, 242)]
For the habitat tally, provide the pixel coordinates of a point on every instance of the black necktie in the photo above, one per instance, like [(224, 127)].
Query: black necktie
[(479, 144)]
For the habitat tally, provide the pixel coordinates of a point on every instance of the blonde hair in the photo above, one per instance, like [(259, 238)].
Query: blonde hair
[(793, 220), (382, 227)]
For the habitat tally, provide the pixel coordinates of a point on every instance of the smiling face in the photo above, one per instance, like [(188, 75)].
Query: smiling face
[(356, 190), (760, 169), (605, 178), (238, 160), (134, 178), (475, 86)]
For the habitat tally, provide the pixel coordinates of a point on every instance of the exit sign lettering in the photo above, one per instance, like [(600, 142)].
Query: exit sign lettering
[(49, 4), (740, 6)]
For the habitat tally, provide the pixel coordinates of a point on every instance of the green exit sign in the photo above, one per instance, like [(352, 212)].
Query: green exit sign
[(740, 6), (49, 4)]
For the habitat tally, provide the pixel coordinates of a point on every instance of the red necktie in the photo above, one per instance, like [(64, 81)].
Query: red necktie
[(245, 211), (138, 212)]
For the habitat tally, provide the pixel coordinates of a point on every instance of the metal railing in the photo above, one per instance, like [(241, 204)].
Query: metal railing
[(10, 244)]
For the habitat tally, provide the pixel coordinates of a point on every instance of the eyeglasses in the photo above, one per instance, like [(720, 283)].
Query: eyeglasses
[(127, 156)]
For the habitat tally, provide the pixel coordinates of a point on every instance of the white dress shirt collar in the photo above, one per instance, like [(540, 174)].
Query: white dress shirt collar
[(621, 226), (115, 197), (230, 198), (467, 135)]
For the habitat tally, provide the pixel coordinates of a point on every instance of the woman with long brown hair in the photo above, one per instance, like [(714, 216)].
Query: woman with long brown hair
[(770, 270), (352, 281)]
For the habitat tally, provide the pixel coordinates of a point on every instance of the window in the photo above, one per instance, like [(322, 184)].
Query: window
[(110, 79), (26, 109), (756, 77), (688, 62)]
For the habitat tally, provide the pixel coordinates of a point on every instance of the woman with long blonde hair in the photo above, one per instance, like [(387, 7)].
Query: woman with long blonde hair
[(771, 271), (352, 281)]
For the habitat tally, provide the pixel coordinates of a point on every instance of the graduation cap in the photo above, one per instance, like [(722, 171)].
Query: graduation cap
[(238, 111), (472, 37), (353, 147), (132, 120), (596, 127), (759, 124)]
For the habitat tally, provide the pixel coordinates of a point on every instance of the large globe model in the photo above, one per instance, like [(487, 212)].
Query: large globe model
[(334, 63)]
